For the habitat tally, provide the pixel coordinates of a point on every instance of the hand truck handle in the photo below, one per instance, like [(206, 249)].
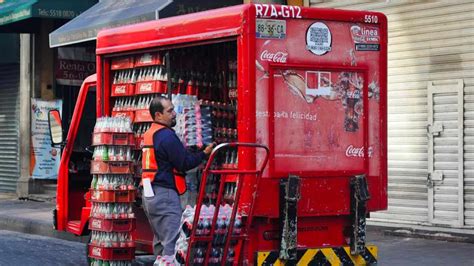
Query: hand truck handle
[(238, 144)]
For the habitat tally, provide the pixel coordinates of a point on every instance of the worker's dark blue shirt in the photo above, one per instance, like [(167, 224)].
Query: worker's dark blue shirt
[(170, 153)]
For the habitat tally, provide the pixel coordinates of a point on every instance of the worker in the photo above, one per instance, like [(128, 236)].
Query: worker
[(166, 176)]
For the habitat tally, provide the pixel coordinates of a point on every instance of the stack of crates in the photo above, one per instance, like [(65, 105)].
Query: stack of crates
[(112, 193)]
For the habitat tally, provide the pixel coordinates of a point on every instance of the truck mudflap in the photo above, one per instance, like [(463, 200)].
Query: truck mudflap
[(321, 256)]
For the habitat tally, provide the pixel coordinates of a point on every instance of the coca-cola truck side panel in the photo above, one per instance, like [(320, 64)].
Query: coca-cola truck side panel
[(320, 83), (321, 106)]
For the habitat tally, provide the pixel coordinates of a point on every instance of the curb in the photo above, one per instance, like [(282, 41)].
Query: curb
[(33, 227), (430, 235), (423, 234)]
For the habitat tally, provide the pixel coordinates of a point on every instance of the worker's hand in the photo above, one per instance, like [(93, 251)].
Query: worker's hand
[(209, 148)]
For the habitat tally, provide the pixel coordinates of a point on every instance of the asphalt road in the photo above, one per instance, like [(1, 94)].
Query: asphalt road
[(24, 249), (394, 251)]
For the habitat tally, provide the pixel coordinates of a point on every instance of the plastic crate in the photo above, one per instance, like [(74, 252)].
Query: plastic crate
[(148, 59), (142, 115), (112, 225), (122, 196), (109, 138), (111, 253), (111, 167), (122, 63), (126, 89), (146, 87), (130, 114), (161, 86)]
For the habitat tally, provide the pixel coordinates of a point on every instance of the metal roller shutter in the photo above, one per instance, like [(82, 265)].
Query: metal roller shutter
[(469, 151), (9, 129), (428, 41)]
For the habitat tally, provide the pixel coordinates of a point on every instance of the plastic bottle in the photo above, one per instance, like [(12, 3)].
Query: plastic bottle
[(105, 153), (187, 228), (107, 240), (230, 256), (94, 182), (218, 231), (130, 242), (200, 227), (199, 256), (215, 257), (100, 183), (130, 213), (207, 225), (115, 240)]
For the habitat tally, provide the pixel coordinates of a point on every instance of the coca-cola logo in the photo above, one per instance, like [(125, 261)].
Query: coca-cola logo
[(352, 151), (146, 87), (278, 57), (97, 224), (97, 252), (120, 89)]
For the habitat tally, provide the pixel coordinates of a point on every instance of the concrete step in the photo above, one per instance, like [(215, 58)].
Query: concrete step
[(44, 197), (48, 188)]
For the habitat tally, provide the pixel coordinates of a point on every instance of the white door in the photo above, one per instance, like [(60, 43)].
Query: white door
[(445, 153)]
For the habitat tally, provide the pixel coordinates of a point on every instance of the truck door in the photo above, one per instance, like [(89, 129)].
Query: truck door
[(74, 174)]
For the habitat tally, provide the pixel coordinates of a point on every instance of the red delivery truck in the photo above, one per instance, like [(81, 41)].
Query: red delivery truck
[(295, 96)]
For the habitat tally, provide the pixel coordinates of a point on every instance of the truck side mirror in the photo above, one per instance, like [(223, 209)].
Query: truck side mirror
[(55, 127)]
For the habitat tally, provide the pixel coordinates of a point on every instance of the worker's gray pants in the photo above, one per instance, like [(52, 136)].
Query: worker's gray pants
[(164, 214)]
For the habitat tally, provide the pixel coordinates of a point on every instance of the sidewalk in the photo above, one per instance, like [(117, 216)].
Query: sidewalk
[(31, 217), (35, 217)]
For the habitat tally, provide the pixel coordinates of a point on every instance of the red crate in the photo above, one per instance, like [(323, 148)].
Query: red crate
[(130, 114), (111, 167), (122, 63), (143, 115), (112, 253), (112, 225), (123, 196), (125, 89), (148, 59), (161, 86), (146, 87), (109, 138)]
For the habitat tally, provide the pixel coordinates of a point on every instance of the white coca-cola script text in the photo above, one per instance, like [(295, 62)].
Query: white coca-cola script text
[(352, 151), (278, 57)]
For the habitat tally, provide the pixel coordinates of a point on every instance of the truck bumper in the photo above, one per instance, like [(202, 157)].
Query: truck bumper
[(322, 256)]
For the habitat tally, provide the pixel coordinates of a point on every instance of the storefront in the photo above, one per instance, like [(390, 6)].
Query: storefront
[(26, 72)]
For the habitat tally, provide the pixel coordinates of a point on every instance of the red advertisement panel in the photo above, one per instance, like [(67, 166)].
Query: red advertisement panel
[(318, 96)]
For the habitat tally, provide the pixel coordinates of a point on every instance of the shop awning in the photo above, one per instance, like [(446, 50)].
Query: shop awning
[(112, 13), (105, 14), (15, 11)]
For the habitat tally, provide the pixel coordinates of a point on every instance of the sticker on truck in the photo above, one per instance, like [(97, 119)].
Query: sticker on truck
[(271, 29), (318, 38)]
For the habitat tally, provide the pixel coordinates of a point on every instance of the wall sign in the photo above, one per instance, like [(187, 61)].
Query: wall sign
[(44, 159)]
